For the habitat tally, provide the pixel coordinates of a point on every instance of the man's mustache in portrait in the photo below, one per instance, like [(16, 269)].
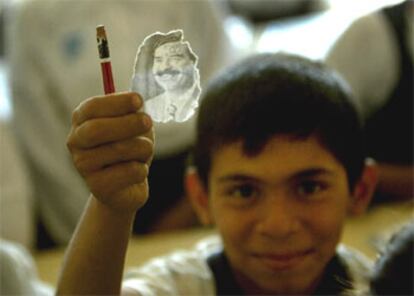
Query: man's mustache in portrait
[(168, 72)]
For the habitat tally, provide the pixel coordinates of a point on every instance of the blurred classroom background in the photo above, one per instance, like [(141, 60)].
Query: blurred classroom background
[(49, 64), (252, 25)]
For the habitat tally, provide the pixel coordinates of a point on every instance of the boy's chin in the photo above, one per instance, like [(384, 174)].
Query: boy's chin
[(294, 280)]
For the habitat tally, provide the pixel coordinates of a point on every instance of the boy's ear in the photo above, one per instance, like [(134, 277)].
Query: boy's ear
[(364, 188), (198, 196)]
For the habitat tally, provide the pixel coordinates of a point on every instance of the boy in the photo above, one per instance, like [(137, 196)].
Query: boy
[(279, 166)]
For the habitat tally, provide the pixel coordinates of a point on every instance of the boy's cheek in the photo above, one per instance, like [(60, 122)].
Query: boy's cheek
[(329, 233), (327, 220), (229, 222)]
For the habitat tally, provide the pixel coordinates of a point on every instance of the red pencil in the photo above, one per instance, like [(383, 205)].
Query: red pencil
[(106, 68)]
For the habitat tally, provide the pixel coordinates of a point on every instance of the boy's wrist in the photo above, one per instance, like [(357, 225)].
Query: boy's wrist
[(112, 213)]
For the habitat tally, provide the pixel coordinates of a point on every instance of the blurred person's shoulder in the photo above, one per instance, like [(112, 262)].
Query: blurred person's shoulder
[(359, 268), (18, 272), (181, 272)]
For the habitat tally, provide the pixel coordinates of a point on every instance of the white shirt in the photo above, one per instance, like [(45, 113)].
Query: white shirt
[(17, 221), (367, 56), (186, 272)]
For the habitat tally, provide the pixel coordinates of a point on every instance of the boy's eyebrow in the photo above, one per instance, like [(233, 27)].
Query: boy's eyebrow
[(313, 172), (237, 178), (307, 173)]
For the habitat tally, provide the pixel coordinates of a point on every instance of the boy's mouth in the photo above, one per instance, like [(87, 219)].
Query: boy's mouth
[(283, 261)]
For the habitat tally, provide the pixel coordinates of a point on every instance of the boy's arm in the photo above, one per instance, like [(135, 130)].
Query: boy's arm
[(111, 145), (95, 257)]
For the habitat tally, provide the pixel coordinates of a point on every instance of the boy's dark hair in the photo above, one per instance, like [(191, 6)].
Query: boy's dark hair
[(393, 272), (273, 94)]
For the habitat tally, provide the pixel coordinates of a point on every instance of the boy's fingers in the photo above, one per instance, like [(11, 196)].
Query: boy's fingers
[(106, 106), (100, 131), (107, 182), (138, 149)]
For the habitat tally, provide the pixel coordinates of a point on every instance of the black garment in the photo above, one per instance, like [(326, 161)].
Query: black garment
[(390, 129), (223, 276), (335, 281), (44, 240), (165, 179)]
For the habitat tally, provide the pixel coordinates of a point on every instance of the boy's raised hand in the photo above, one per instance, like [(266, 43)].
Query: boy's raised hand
[(111, 143)]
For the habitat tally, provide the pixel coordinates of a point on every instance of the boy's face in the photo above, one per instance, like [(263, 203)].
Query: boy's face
[(280, 213)]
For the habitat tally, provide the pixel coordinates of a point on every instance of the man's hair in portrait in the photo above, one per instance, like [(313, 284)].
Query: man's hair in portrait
[(174, 38)]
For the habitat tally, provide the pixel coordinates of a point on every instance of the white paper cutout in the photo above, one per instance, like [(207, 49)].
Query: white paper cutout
[(167, 77)]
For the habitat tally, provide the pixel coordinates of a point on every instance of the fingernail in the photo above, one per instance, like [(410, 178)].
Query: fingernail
[(147, 121), (136, 101)]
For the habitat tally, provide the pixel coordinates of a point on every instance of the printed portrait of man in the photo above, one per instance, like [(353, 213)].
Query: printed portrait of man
[(167, 77)]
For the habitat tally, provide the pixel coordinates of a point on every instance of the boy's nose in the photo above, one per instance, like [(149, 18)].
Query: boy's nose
[(277, 218)]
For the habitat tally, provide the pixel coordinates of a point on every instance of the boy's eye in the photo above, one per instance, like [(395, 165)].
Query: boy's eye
[(243, 191), (309, 187)]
